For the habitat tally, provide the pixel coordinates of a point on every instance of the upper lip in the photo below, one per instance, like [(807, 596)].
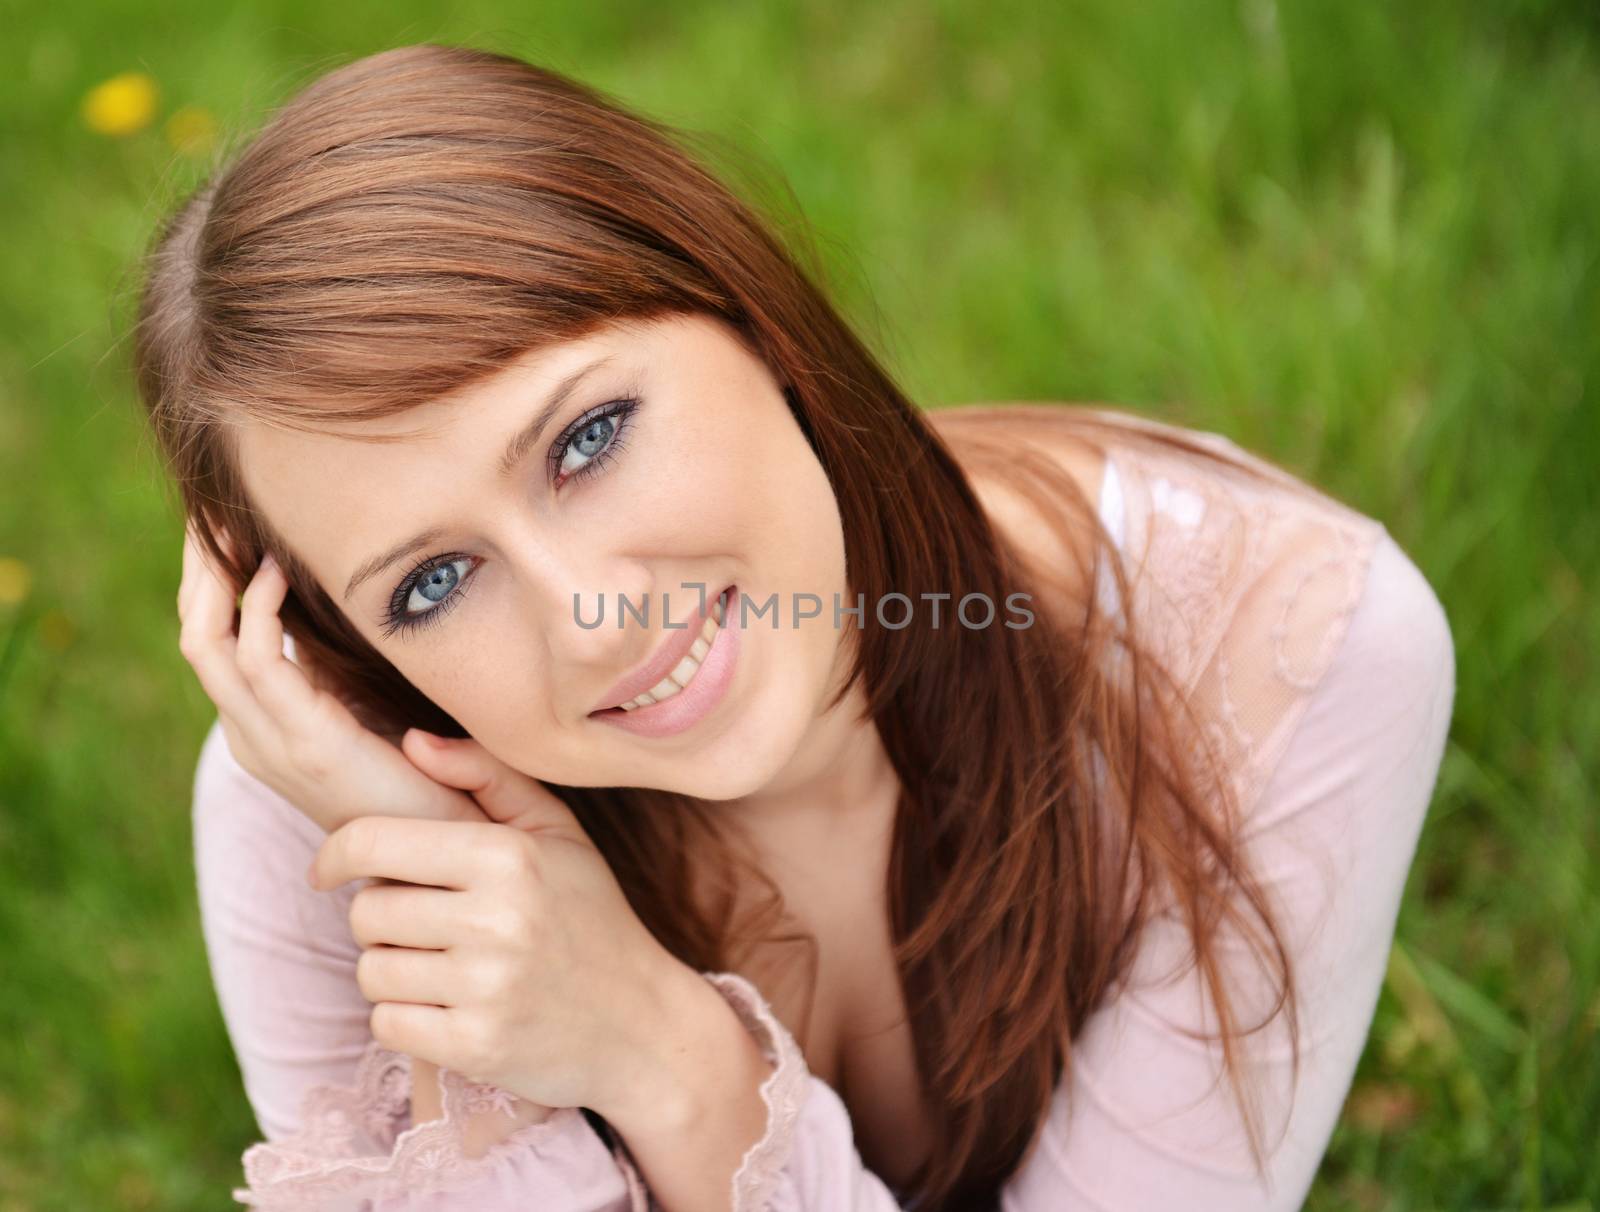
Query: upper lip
[(672, 650)]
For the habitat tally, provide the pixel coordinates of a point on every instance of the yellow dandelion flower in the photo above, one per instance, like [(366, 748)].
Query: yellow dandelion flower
[(122, 105), (191, 129), (14, 581), (56, 631)]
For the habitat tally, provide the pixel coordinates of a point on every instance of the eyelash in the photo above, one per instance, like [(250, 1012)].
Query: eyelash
[(621, 410), (397, 622)]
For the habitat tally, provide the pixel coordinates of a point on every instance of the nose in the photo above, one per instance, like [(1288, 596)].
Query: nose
[(603, 614)]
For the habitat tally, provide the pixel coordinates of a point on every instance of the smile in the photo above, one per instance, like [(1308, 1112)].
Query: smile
[(694, 684), (683, 672)]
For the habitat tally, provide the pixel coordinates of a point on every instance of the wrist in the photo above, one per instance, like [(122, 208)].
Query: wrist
[(702, 1062), (427, 1102), (695, 1109)]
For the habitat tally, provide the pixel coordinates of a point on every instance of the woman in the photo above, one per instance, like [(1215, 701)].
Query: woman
[(774, 796)]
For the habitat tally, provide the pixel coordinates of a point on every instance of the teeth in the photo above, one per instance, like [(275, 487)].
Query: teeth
[(682, 673)]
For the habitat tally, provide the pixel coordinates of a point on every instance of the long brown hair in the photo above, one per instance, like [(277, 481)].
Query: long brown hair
[(412, 222)]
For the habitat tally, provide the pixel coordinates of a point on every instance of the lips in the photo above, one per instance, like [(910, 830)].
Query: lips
[(666, 658)]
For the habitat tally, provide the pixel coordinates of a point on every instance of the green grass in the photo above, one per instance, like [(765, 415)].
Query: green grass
[(1360, 238)]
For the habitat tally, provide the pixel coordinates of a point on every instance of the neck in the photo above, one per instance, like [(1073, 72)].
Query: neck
[(839, 783)]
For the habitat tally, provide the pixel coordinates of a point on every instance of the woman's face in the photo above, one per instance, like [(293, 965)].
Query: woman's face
[(669, 459)]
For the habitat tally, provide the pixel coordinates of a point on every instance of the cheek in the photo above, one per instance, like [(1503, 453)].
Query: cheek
[(807, 522), (493, 690), (704, 485)]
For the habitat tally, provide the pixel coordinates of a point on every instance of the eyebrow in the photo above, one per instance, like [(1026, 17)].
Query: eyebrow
[(516, 450)]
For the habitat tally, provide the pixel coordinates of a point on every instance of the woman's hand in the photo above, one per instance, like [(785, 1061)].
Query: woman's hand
[(296, 738), (303, 742), (518, 961)]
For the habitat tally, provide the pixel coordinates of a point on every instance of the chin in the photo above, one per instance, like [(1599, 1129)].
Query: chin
[(730, 782), (748, 756)]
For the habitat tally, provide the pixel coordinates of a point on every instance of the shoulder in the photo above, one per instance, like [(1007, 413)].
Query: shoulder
[(978, 433), (1394, 671), (1015, 456), (1279, 609)]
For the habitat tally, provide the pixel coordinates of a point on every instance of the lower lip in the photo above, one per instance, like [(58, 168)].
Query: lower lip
[(696, 700)]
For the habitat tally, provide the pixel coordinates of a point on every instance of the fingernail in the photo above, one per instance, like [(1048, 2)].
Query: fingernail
[(268, 563)]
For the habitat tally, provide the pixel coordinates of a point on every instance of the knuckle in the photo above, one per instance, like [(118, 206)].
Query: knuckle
[(352, 847), (499, 924), (248, 662), (363, 918), (380, 1023), (367, 972), (189, 644), (489, 976), (516, 857)]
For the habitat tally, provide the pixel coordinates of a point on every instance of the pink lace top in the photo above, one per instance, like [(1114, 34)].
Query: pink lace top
[(1325, 663)]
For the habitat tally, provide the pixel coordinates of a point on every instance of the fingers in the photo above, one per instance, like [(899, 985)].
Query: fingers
[(506, 794), (405, 974), (440, 854), (279, 685), (206, 638), (406, 915), (187, 579), (257, 689), (415, 1030)]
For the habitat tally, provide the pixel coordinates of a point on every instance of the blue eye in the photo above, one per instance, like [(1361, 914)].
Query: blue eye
[(583, 448), (435, 579), (594, 438)]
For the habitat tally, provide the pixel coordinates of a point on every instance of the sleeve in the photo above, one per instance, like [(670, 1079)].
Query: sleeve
[(333, 1104), (807, 1159), (1332, 684)]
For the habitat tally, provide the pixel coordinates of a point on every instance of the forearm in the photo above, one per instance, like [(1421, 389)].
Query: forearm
[(692, 1125)]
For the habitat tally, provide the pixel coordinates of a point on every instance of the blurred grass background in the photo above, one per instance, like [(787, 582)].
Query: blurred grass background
[(1360, 238)]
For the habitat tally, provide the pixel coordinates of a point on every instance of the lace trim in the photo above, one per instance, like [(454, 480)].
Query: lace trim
[(783, 1092), (350, 1140)]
